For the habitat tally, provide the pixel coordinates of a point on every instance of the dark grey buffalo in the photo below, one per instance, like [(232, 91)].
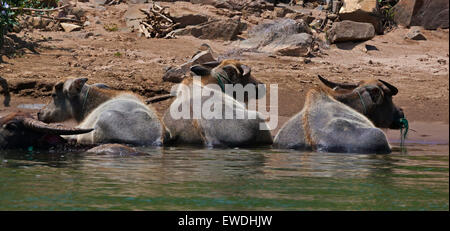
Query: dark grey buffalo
[(20, 130)]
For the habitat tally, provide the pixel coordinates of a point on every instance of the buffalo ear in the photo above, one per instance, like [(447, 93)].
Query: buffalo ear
[(200, 70), (76, 86), (393, 89), (59, 86)]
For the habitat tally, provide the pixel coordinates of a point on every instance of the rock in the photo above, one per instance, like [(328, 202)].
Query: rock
[(217, 29), (362, 11), (280, 37), (336, 6), (278, 12), (249, 6), (267, 15), (316, 24), (52, 26), (295, 45), (368, 47), (430, 14), (87, 23), (306, 60), (87, 35), (186, 17), (38, 22), (294, 16), (177, 74), (100, 2), (332, 17), (69, 27), (308, 19), (78, 12), (415, 34), (350, 31)]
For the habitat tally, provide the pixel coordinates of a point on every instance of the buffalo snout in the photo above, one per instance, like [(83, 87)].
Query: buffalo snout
[(398, 115)]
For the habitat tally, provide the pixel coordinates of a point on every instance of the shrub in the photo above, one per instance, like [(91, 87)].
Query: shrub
[(10, 10)]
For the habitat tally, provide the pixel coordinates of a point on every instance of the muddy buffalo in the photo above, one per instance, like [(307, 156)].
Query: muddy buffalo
[(20, 130), (343, 118)]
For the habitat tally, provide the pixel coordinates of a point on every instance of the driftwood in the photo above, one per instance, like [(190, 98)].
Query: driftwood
[(113, 2), (40, 10), (158, 23), (60, 19)]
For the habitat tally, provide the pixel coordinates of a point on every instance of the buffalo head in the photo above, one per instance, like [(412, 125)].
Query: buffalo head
[(372, 98), (20, 130)]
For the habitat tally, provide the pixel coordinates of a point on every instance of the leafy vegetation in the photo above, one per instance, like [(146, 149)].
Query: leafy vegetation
[(387, 12), (10, 10)]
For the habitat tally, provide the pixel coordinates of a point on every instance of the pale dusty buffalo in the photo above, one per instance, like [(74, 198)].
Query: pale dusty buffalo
[(218, 131), (343, 118), (116, 116)]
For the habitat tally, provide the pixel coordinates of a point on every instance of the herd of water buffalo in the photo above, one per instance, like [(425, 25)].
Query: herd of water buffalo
[(335, 118)]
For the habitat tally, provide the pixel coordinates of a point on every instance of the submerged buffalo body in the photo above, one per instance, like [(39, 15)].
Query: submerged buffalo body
[(20, 130), (218, 131), (343, 118), (117, 117)]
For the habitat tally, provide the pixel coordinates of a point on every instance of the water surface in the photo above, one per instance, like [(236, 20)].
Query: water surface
[(226, 179)]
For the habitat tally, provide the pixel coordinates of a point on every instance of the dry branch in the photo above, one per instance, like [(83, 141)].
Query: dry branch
[(158, 23), (40, 10)]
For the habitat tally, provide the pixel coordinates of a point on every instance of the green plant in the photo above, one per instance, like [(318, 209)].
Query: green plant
[(111, 27), (117, 54), (10, 10), (387, 12)]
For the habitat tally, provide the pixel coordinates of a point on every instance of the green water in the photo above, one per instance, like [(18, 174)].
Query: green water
[(234, 179)]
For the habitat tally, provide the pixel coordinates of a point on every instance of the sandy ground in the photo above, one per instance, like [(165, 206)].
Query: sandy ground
[(121, 59)]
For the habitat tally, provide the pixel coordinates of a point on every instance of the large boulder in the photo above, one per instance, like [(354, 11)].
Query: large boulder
[(186, 17), (431, 14), (295, 45), (250, 6), (282, 37), (216, 29), (177, 74), (362, 11), (350, 31)]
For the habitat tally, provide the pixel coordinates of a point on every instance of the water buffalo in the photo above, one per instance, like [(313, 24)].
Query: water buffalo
[(116, 116), (20, 130), (217, 130), (343, 118)]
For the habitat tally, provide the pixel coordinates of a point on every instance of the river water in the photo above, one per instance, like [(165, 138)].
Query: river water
[(227, 179)]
